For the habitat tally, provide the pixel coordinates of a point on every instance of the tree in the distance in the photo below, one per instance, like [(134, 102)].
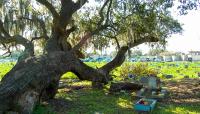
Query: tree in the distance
[(63, 28)]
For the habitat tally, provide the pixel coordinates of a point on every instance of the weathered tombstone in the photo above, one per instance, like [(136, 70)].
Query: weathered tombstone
[(131, 76), (168, 76), (144, 80), (190, 59), (186, 66), (147, 59), (199, 74), (186, 76), (152, 82)]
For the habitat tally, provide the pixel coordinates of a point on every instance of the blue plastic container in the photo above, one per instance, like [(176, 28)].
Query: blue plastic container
[(146, 108)]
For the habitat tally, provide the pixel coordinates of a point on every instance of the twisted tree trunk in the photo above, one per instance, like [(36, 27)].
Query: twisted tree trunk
[(37, 78)]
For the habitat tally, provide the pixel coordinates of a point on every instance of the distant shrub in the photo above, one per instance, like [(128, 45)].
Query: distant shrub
[(137, 69)]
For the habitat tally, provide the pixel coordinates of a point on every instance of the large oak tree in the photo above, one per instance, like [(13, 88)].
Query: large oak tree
[(63, 27)]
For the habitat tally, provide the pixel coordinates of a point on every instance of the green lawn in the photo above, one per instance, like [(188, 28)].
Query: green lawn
[(90, 101), (5, 67)]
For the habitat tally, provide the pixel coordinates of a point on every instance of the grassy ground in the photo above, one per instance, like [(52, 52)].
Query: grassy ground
[(4, 68), (178, 69), (79, 98)]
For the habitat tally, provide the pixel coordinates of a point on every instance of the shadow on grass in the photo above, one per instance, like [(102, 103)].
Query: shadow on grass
[(88, 101), (84, 100), (177, 109)]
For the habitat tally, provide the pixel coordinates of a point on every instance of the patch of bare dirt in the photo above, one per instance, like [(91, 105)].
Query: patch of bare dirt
[(184, 91)]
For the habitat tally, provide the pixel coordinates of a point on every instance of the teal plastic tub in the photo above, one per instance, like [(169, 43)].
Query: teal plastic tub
[(147, 107)]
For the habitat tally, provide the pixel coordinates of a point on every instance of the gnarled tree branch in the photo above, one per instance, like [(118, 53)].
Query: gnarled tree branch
[(67, 9), (100, 26), (117, 61), (82, 41), (118, 46), (6, 38), (79, 4), (50, 7), (37, 38), (120, 57)]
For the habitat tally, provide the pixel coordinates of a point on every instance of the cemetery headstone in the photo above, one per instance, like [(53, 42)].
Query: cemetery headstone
[(164, 91), (186, 76), (152, 82), (132, 76), (199, 74), (186, 66), (147, 59), (168, 76), (144, 80), (190, 59)]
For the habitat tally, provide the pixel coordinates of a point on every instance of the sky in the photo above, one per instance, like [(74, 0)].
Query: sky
[(189, 40)]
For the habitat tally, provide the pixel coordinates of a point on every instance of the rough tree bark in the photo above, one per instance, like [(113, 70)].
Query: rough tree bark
[(22, 87), (37, 77)]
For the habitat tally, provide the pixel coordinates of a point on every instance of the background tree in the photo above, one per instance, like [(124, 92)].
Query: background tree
[(185, 5), (137, 52), (54, 24), (156, 51)]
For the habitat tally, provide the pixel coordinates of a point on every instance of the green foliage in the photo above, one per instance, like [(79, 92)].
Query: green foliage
[(5, 67), (136, 53), (39, 109), (69, 75), (155, 51), (177, 69), (129, 20), (177, 109), (138, 69), (89, 101), (185, 5)]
